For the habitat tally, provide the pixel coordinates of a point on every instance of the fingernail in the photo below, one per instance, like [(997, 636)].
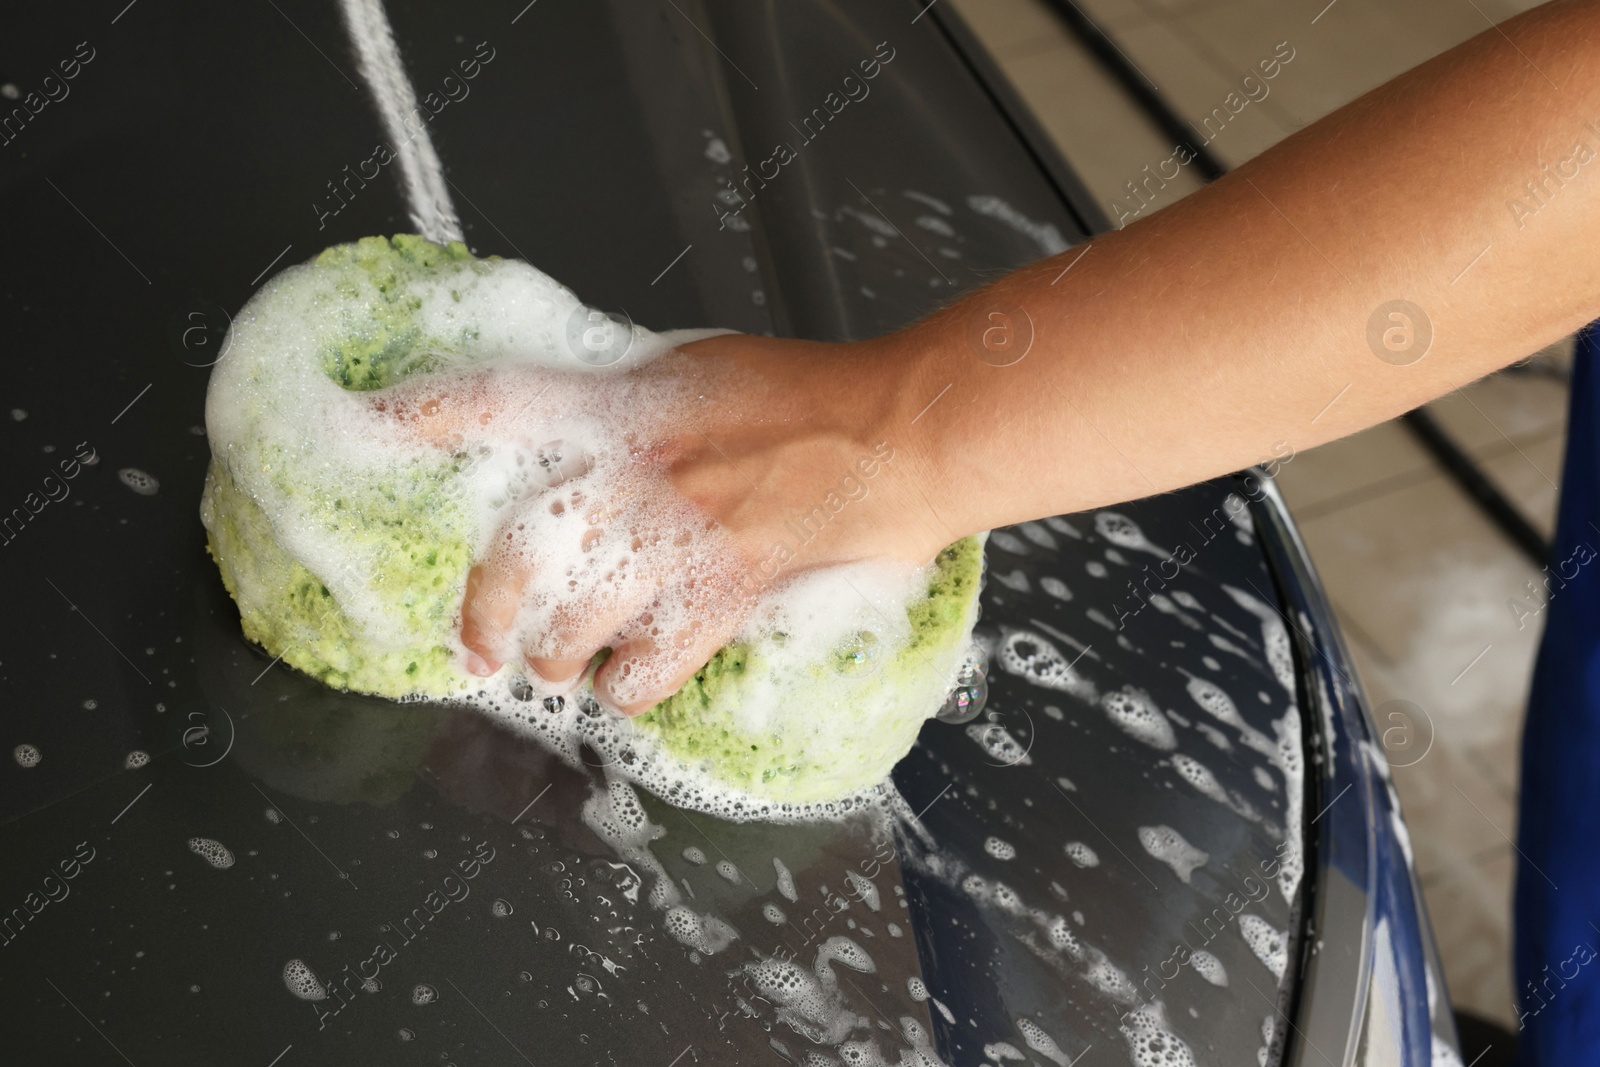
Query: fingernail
[(476, 664), (559, 672), (608, 700)]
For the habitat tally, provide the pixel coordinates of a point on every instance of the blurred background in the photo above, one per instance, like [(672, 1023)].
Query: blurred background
[(1433, 596)]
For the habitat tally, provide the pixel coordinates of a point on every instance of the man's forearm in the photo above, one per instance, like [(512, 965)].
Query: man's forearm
[(1265, 311)]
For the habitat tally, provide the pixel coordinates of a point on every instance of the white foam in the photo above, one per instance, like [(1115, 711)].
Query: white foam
[(865, 890), (1269, 944), (702, 933), (139, 481), (1198, 775), (1124, 532), (1081, 854), (1137, 715), (1000, 850), (1035, 1037), (1208, 967), (1029, 655), (1167, 845), (1055, 587), (1151, 1041), (527, 450), (997, 741), (213, 852), (785, 880), (303, 982)]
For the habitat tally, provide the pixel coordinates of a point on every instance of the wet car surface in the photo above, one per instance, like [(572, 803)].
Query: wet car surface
[(261, 867)]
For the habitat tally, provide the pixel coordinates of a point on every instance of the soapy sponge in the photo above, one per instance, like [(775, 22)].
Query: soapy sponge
[(346, 543)]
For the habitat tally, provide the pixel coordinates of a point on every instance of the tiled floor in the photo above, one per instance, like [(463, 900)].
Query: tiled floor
[(1421, 581)]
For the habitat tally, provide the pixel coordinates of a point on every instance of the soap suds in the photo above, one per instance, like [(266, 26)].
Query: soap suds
[(395, 411), (1167, 845)]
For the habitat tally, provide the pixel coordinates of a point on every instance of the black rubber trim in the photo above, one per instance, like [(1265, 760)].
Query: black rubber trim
[(1119, 66), (1493, 503), (1073, 192)]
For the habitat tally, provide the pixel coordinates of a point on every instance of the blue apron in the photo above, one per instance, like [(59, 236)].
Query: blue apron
[(1557, 911)]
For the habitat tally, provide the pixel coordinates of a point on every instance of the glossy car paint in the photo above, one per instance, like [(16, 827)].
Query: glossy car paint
[(200, 149)]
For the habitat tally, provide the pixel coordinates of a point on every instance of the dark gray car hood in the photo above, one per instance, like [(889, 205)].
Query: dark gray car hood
[(426, 853)]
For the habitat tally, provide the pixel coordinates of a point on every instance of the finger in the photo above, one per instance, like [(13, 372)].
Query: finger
[(444, 413), (578, 630), (656, 657), (438, 412), (489, 612)]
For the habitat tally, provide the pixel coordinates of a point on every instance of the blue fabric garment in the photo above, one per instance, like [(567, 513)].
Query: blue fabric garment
[(1557, 912)]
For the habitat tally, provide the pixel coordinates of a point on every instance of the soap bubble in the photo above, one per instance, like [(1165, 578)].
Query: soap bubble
[(967, 699)]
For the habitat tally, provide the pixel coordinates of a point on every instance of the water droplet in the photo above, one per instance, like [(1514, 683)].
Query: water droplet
[(26, 756), (423, 993), (500, 908), (136, 759), (407, 1035)]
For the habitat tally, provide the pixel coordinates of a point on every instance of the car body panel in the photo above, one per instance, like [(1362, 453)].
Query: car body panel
[(203, 148)]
